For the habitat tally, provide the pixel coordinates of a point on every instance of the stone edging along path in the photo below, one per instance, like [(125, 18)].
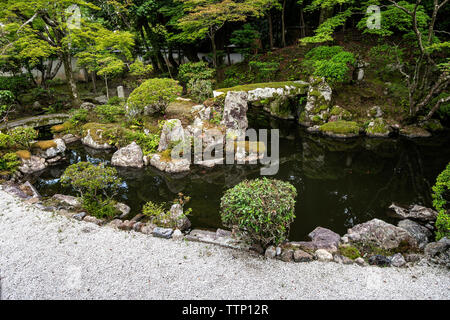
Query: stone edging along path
[(325, 245)]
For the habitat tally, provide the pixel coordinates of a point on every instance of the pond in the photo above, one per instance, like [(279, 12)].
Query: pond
[(339, 183)]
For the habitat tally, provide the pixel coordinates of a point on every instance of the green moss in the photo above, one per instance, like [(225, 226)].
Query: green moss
[(349, 252), (61, 127), (340, 127), (44, 145), (378, 126), (24, 154), (253, 86)]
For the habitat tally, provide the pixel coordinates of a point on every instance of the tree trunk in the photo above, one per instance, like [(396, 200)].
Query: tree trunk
[(325, 13), (70, 78), (94, 82), (302, 23), (107, 89), (172, 59), (283, 25), (269, 19), (214, 49)]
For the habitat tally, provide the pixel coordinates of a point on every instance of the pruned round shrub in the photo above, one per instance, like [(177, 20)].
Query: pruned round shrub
[(23, 136), (154, 95), (96, 185), (262, 210), (200, 89), (441, 201), (194, 71)]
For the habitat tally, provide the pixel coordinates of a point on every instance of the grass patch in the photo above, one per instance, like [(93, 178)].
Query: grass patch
[(44, 145), (340, 127)]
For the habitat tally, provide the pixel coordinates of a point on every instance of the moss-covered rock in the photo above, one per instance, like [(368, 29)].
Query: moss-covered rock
[(378, 128), (24, 154), (340, 129), (60, 128), (44, 145), (100, 135), (339, 113), (414, 132)]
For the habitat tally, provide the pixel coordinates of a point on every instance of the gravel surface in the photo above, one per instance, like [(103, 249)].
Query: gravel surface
[(47, 256)]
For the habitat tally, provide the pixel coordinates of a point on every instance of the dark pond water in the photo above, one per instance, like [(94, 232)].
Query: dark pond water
[(339, 183)]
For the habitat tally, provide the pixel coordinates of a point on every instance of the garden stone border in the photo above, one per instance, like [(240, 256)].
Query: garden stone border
[(288, 252)]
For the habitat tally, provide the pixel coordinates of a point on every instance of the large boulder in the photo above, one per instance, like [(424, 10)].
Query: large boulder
[(317, 109), (417, 231), (172, 133), (235, 111), (49, 149), (93, 136), (32, 164), (177, 214), (382, 234), (67, 201), (439, 251), (170, 166), (413, 212), (323, 238), (129, 156)]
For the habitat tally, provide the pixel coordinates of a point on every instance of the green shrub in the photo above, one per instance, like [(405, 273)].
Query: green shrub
[(245, 39), (96, 185), (262, 209), (23, 137), (9, 162), (5, 141), (14, 84), (195, 70), (148, 142), (79, 116), (140, 70), (330, 62), (441, 200), (154, 95), (264, 70), (160, 215), (115, 101), (200, 89), (349, 252), (109, 113)]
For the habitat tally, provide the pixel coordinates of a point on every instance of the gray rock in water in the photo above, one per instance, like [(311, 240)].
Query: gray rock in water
[(165, 233), (379, 260), (52, 152), (123, 209), (323, 238), (177, 214), (381, 234), (70, 138), (33, 164), (397, 260), (129, 156), (414, 212), (270, 253), (235, 111), (419, 232), (172, 133)]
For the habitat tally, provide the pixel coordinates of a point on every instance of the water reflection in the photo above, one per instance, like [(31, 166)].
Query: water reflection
[(339, 183)]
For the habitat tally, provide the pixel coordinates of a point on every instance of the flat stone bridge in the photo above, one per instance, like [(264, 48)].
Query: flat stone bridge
[(37, 121)]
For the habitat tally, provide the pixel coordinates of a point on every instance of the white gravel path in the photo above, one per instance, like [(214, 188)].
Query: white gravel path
[(46, 256)]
